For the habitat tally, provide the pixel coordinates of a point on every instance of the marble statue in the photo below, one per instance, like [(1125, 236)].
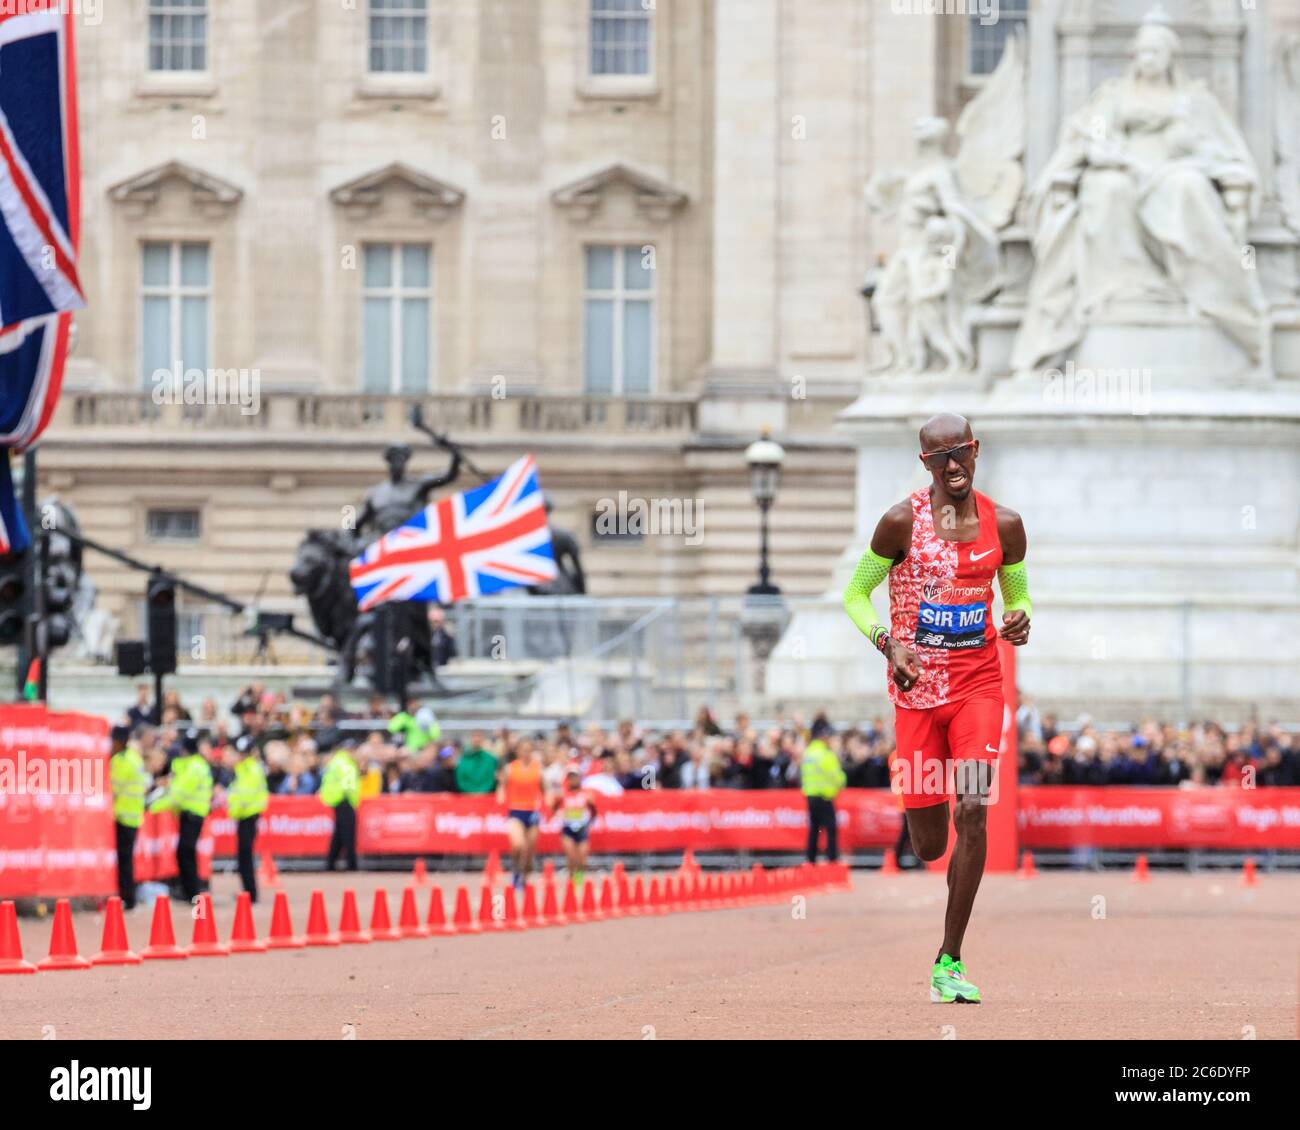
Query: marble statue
[(1146, 199), (1286, 106), (949, 212)]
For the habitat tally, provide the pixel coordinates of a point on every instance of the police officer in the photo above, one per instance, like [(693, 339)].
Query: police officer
[(129, 781), (822, 777), (340, 788), (246, 800), (189, 795)]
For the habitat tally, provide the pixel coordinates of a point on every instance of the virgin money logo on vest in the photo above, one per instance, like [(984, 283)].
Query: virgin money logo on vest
[(945, 592)]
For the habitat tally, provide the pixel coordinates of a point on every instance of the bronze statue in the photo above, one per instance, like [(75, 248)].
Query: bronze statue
[(399, 631), (320, 573), (390, 503), (570, 578)]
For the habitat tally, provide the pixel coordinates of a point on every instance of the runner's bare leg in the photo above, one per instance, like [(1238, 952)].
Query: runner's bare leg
[(966, 864)]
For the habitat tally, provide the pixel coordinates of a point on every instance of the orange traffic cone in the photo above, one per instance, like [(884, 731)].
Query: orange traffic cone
[(11, 942), (1140, 873), (1027, 869), (318, 923), (486, 919), (889, 865), (381, 926), (492, 868), (671, 898), (590, 912), (63, 941), (570, 911), (607, 907), (548, 870), (113, 948), (203, 942), (269, 876), (636, 905), (281, 936), (162, 940), (419, 876), (511, 919), (243, 934), (688, 891), (350, 931), (437, 919), (531, 915), (550, 905), (462, 920), (409, 924), (1248, 877)]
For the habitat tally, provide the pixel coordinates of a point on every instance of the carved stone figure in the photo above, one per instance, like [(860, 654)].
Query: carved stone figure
[(1146, 199), (949, 212), (1286, 108)]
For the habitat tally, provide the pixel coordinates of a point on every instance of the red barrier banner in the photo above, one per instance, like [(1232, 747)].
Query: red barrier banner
[(56, 825), (1245, 819), (155, 849), (654, 820), (290, 826)]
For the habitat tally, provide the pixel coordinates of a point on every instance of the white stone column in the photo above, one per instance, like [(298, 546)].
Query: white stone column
[(741, 383)]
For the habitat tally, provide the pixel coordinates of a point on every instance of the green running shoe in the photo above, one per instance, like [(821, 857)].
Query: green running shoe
[(948, 984)]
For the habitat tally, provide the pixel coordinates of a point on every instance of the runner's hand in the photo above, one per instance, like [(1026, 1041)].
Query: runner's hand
[(1015, 628), (904, 666)]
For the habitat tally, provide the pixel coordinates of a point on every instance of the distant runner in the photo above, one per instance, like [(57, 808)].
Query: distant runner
[(577, 810), (521, 793)]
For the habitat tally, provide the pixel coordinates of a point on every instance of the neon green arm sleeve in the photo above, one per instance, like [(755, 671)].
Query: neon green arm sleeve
[(1014, 582), (871, 570)]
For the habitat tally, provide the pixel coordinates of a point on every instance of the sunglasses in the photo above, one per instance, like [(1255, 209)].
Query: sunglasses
[(938, 460)]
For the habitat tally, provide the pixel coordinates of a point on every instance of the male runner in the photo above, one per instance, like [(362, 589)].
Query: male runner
[(940, 548)]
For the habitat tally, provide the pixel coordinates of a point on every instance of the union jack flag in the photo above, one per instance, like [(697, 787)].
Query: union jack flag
[(487, 539), (39, 199)]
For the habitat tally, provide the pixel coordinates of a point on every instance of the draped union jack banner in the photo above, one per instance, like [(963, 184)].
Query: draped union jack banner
[(39, 190), (487, 539)]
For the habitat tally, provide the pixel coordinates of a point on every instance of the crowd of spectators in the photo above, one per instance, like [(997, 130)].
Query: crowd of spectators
[(1154, 753), (407, 750)]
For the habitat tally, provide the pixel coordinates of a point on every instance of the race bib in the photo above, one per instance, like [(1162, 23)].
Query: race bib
[(950, 625)]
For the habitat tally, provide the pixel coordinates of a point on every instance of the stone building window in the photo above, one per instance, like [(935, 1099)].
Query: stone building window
[(176, 295), (399, 31), (618, 320), (173, 524), (178, 35), (985, 40), (397, 308), (620, 37)]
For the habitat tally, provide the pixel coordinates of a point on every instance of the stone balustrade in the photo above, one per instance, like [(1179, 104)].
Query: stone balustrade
[(307, 412)]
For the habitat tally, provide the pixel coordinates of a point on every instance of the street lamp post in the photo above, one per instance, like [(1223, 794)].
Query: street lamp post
[(764, 457), (763, 615)]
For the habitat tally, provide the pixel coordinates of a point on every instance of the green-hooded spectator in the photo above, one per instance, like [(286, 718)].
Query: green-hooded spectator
[(476, 771)]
